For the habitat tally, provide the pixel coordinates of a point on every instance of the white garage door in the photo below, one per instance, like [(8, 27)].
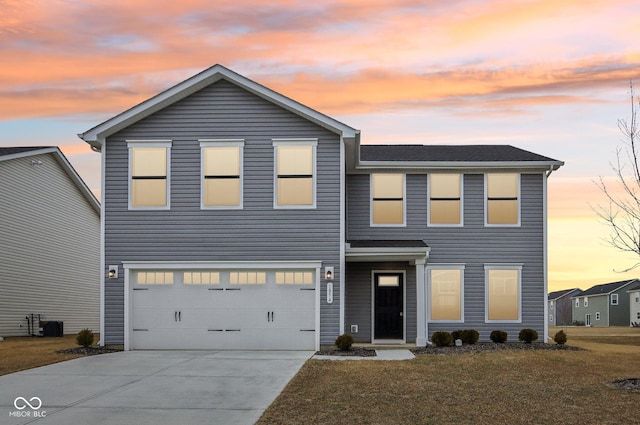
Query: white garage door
[(193, 309)]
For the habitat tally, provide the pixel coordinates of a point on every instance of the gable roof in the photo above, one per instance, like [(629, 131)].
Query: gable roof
[(606, 288), (442, 156), (9, 153), (559, 294), (96, 135)]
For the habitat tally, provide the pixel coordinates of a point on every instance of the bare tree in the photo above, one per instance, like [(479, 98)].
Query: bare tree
[(622, 214)]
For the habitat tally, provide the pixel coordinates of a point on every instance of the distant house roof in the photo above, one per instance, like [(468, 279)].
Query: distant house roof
[(9, 153), (559, 294), (96, 135), (606, 288), (458, 154)]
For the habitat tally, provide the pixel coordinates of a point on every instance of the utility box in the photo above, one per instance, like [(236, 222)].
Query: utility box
[(52, 328)]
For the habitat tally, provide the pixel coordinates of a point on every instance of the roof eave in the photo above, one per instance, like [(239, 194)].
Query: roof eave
[(538, 165), (386, 254)]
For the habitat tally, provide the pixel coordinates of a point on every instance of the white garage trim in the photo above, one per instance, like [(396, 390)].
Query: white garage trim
[(216, 266)]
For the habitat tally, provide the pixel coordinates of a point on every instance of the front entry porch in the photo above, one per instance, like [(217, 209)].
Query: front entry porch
[(385, 295)]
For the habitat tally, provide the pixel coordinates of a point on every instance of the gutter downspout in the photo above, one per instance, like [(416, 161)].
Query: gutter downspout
[(545, 254)]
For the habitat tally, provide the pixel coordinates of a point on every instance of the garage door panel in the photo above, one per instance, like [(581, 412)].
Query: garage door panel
[(264, 316)]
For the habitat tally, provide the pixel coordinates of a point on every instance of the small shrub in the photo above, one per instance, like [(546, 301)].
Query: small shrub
[(85, 338), (528, 335), (457, 334), (441, 339), (499, 337), (344, 342), (470, 336), (560, 337), (577, 323)]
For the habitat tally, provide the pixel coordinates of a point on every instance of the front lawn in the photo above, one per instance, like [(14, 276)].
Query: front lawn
[(502, 387)]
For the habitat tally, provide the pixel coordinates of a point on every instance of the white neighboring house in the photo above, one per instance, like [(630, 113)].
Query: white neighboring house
[(50, 249)]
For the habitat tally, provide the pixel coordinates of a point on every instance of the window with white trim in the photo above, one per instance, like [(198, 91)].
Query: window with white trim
[(149, 164), (577, 302), (445, 199), (152, 277), (586, 302), (597, 315), (614, 299), (638, 315), (221, 183), (446, 293), (295, 173), (503, 293), (502, 199), (387, 199)]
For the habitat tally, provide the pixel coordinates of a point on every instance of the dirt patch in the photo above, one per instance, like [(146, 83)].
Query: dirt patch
[(629, 384)]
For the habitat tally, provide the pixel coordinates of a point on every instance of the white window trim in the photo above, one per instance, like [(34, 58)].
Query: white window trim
[(597, 315), (486, 202), (461, 224), (295, 142), (500, 266), (214, 143), (151, 143), (616, 298), (404, 202), (448, 266), (577, 302), (586, 301)]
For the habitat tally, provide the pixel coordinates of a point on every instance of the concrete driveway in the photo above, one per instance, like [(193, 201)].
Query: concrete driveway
[(150, 387)]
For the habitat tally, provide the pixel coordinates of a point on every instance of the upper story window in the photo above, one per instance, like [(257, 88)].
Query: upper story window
[(445, 199), (149, 164), (614, 299), (295, 173), (577, 302), (503, 293), (221, 173), (586, 302), (502, 199), (387, 199)]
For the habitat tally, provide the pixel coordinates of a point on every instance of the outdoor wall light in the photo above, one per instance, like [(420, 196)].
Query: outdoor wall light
[(328, 273), (113, 272)]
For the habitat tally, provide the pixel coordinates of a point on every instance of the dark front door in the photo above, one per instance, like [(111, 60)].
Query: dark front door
[(388, 306)]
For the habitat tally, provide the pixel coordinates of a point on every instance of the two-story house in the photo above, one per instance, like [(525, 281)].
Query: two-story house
[(607, 304), (560, 306), (235, 217)]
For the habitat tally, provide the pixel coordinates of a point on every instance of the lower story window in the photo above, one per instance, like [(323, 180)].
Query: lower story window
[(597, 315), (445, 293), (502, 293)]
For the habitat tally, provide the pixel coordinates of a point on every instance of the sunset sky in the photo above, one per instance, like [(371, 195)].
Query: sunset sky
[(548, 76)]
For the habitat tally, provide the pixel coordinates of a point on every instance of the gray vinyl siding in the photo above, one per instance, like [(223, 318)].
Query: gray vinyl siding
[(50, 249), (619, 314), (358, 298), (258, 232), (473, 244)]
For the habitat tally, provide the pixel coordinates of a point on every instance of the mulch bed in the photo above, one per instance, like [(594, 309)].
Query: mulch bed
[(629, 384), (467, 348), (90, 351), (355, 351), (492, 346)]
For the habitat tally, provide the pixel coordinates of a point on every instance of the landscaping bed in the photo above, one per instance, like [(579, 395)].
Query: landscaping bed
[(354, 351), (90, 351), (492, 346)]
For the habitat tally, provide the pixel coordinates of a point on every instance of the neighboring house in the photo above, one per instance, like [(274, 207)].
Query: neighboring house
[(634, 305), (604, 305), (560, 306), (50, 249), (235, 217)]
